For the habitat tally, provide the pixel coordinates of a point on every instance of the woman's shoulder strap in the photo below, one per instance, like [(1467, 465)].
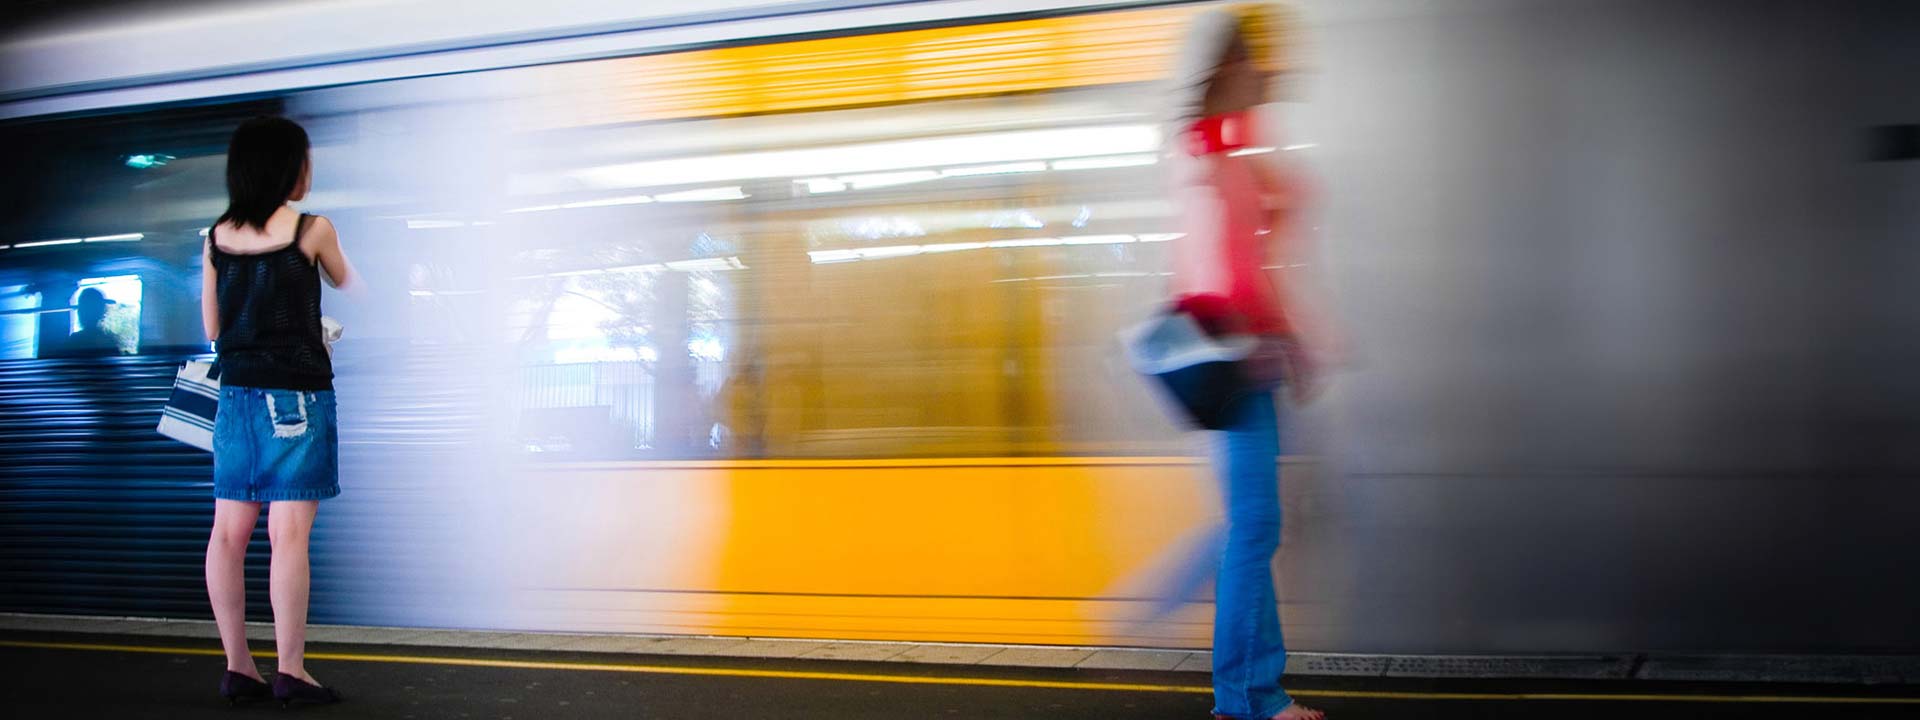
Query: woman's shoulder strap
[(299, 243)]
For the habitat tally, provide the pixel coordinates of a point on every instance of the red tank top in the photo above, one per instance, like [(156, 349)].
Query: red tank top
[(1227, 201)]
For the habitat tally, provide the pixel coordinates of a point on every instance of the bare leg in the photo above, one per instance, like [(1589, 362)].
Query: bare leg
[(233, 523), (288, 525)]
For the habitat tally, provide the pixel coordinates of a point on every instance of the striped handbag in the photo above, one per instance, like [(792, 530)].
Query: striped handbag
[(188, 416)]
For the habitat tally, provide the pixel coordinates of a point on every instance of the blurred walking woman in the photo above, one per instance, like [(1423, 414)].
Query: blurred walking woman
[(274, 436), (1236, 208)]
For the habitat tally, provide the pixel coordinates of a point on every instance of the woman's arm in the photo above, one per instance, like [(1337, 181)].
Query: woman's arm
[(1291, 253), (209, 298), (323, 245)]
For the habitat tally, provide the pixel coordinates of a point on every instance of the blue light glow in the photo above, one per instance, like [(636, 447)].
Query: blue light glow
[(142, 162)]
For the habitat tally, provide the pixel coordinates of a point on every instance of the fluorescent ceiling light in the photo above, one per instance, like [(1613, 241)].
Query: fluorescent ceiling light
[(731, 262), (1000, 169), (1301, 146), (1160, 237), (593, 271), (1245, 151), (875, 253), (706, 264), (1025, 242), (703, 195), (603, 202), (818, 186), (124, 237), (875, 180), (1076, 276), (1108, 161), (44, 243), (648, 267), (609, 202), (433, 224), (822, 257), (1096, 239), (822, 185), (952, 150)]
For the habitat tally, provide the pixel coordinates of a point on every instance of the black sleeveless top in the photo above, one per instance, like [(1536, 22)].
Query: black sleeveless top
[(270, 334)]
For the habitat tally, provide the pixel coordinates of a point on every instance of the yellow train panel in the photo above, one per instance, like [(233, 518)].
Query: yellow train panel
[(999, 550), (876, 69)]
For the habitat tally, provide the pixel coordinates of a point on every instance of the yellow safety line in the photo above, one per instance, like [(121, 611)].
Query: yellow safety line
[(977, 681), (1633, 697), (648, 669)]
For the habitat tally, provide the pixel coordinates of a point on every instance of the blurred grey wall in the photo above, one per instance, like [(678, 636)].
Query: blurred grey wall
[(1633, 329)]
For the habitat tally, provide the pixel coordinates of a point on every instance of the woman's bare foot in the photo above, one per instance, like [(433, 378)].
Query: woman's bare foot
[(1297, 711)]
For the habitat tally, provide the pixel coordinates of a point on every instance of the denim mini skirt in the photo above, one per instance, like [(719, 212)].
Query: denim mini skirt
[(273, 445)]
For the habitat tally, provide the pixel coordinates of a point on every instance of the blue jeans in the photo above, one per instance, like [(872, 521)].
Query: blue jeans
[(1248, 654)]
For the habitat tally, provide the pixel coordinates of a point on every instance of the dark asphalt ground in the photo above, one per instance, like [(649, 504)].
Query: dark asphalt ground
[(181, 682)]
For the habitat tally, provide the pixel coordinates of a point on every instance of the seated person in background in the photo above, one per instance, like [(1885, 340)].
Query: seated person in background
[(92, 339)]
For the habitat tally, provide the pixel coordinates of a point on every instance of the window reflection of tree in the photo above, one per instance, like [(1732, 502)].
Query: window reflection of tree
[(629, 296), (538, 303)]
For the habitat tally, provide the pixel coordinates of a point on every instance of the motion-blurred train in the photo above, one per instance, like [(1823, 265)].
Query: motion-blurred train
[(798, 320)]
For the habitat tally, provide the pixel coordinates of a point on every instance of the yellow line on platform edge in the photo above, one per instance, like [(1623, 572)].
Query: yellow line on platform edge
[(977, 682)]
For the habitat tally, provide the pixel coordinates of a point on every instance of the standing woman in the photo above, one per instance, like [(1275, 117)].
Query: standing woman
[(1238, 211), (274, 435)]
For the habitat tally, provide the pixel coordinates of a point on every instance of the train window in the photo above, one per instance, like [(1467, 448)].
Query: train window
[(586, 353), (19, 322), (106, 315)]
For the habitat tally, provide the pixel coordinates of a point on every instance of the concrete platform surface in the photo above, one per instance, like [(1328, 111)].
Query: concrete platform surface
[(60, 674)]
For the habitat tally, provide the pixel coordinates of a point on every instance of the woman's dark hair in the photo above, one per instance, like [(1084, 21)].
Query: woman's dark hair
[(264, 164)]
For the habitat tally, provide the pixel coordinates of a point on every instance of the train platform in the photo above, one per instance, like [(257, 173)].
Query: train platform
[(65, 667)]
